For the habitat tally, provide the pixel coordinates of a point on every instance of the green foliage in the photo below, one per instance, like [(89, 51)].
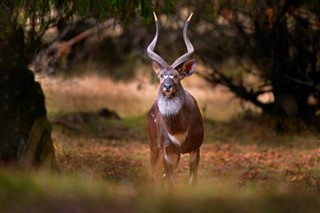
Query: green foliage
[(100, 9)]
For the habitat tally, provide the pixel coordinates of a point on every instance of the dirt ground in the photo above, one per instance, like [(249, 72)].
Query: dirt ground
[(266, 166)]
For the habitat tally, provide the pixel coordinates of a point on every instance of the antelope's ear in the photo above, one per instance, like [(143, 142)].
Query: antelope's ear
[(156, 67), (188, 68)]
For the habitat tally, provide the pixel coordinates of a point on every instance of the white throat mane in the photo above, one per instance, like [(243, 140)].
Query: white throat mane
[(169, 106)]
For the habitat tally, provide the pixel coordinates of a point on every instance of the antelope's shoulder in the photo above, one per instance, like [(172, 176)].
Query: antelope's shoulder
[(153, 113)]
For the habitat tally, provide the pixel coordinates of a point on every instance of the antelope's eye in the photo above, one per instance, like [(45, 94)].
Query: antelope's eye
[(175, 76), (161, 76)]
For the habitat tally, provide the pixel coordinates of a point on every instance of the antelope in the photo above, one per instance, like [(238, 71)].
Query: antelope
[(174, 121)]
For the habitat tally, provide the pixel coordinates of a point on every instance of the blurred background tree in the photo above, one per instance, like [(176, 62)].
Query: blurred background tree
[(267, 49), (265, 52)]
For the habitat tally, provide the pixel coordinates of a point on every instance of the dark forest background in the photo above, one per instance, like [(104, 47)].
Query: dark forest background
[(266, 53)]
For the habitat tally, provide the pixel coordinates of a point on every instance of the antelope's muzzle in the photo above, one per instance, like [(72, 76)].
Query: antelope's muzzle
[(167, 87)]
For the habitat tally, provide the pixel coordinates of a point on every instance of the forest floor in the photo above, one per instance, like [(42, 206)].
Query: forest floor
[(245, 166)]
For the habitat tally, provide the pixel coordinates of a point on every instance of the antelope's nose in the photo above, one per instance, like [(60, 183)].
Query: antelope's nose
[(167, 86)]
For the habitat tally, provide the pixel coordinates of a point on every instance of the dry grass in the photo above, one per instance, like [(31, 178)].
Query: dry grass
[(132, 98)]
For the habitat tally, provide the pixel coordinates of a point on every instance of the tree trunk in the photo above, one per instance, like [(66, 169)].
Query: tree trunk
[(25, 132)]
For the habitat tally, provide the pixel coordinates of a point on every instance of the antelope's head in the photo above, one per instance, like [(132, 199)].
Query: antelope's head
[(171, 75)]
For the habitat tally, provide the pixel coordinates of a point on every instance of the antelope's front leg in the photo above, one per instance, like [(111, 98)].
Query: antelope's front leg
[(194, 163), (154, 156), (171, 159)]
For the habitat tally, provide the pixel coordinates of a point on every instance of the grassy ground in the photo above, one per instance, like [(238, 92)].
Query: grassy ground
[(245, 165)]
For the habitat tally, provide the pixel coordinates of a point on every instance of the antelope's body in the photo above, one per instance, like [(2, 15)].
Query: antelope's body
[(174, 121)]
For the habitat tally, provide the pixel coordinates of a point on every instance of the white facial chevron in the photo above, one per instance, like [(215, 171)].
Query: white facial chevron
[(168, 76)]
